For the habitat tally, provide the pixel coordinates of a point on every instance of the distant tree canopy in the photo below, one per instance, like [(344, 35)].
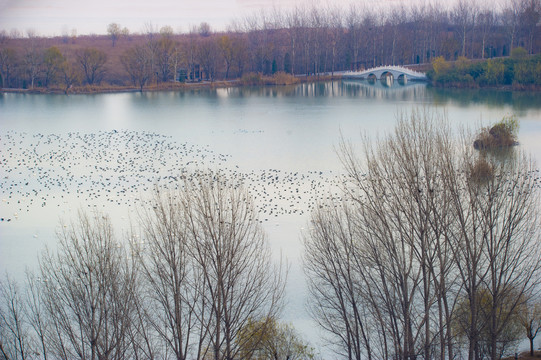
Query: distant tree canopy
[(92, 63), (308, 41), (519, 70)]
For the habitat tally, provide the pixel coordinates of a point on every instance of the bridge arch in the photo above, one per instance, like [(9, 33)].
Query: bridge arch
[(382, 71), (387, 78), (402, 79), (386, 74)]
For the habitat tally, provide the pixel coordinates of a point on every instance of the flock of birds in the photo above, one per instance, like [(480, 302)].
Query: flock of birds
[(123, 167)]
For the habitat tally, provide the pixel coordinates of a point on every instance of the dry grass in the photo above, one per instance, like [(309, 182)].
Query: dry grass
[(280, 78)]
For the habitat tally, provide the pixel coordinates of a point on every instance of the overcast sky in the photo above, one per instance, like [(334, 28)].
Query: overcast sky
[(56, 17), (53, 17)]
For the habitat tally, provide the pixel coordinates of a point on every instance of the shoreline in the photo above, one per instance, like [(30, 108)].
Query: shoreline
[(221, 84), (171, 86)]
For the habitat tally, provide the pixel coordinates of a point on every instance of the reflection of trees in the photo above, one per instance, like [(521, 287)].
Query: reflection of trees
[(520, 101), (379, 90), (331, 89)]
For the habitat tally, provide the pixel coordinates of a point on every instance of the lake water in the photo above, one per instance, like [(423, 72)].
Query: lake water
[(62, 153)]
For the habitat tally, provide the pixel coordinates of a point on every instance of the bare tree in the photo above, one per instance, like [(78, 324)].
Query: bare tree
[(166, 51), (92, 62), (204, 29), (239, 48), (227, 243), (486, 23), (70, 75), (335, 280), (428, 221), (88, 292), (36, 312), (8, 65), (115, 31), (207, 55), (530, 15), (226, 49), (32, 58), (136, 62), (14, 329), (530, 319), (493, 236), (510, 16), (295, 22), (52, 62), (400, 202), (175, 304), (335, 24), (190, 48), (463, 17)]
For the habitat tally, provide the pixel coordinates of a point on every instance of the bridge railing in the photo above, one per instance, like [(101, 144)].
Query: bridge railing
[(394, 68)]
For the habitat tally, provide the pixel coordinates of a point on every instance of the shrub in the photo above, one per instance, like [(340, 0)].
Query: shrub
[(493, 74), (519, 53), (462, 63), (440, 65), (252, 79), (525, 73), (502, 134), (476, 70), (282, 78)]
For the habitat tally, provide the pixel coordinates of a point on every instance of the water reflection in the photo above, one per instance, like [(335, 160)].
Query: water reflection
[(385, 90), (519, 100), (388, 89)]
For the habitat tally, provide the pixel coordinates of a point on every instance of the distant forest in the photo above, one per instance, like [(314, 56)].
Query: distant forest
[(301, 41)]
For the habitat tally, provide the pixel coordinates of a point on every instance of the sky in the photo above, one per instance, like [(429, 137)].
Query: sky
[(57, 17)]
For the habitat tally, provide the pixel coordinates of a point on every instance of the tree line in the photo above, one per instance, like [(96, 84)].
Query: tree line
[(196, 281), (435, 251), (300, 41)]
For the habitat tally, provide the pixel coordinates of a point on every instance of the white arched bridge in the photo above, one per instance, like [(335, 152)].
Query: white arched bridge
[(382, 71)]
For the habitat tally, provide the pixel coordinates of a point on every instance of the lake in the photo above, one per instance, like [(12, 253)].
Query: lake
[(62, 153)]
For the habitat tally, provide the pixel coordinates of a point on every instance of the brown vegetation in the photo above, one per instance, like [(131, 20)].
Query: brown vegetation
[(501, 135), (280, 78), (302, 42)]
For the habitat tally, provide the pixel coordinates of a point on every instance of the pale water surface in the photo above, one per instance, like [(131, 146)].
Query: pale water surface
[(62, 153)]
